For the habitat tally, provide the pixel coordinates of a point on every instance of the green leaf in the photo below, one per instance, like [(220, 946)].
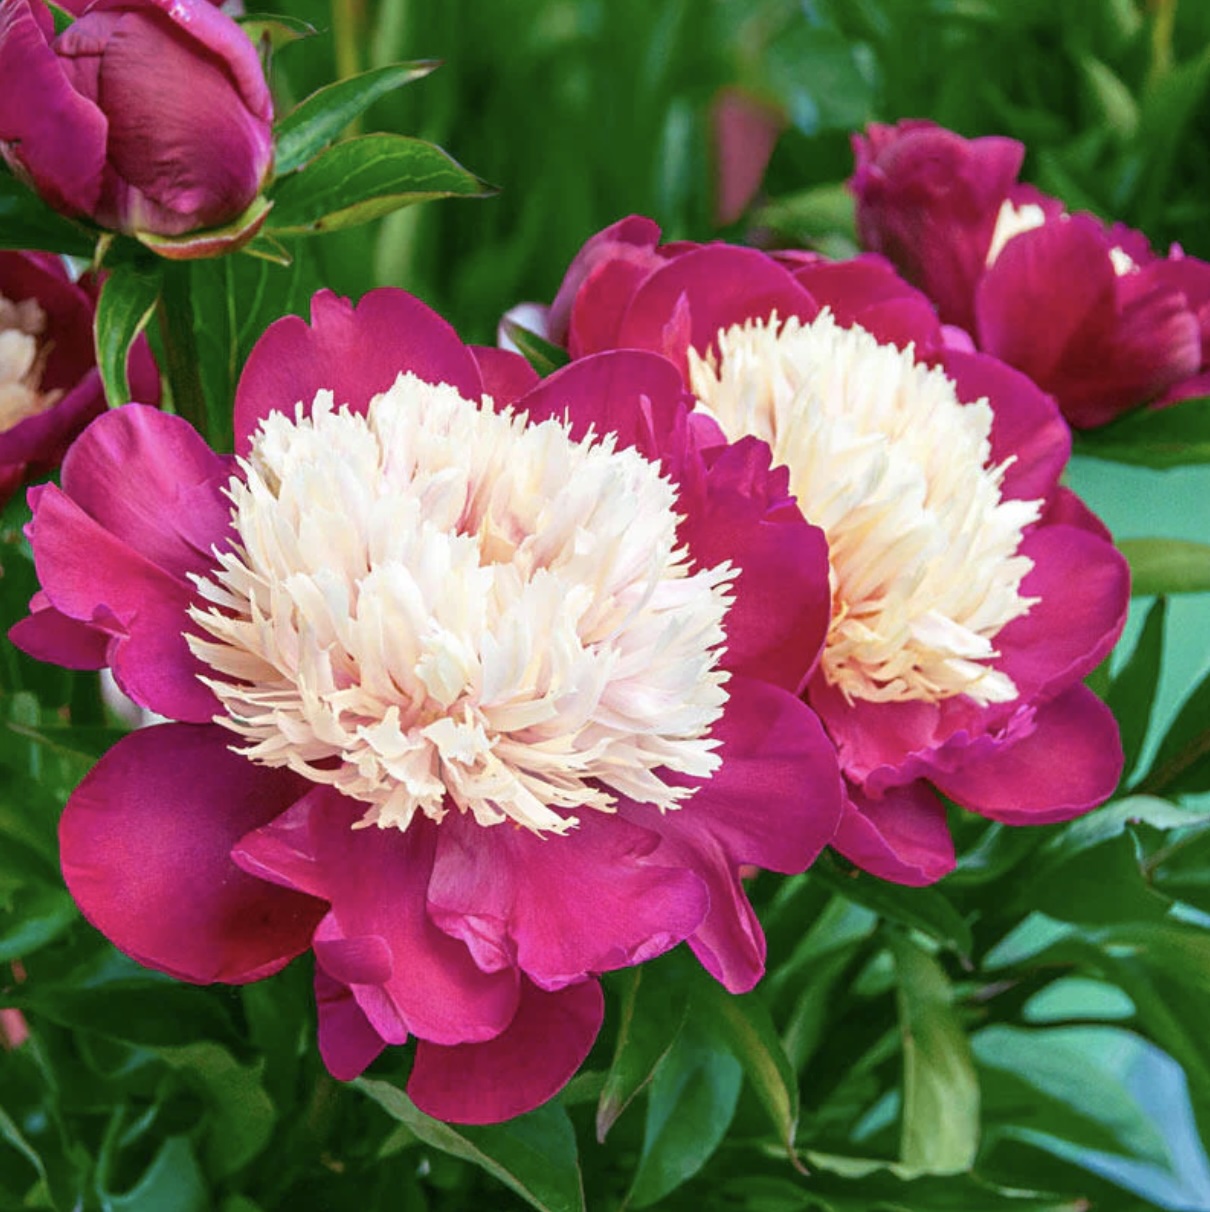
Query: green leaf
[(26, 222), (319, 119), (364, 178), (1153, 437), (810, 215), (39, 916), (690, 1107), (534, 1154), (1131, 695), (1182, 763), (543, 355), (1166, 566), (1182, 869), (651, 1016), (172, 1183), (276, 29), (923, 909), (128, 297), (940, 1089)]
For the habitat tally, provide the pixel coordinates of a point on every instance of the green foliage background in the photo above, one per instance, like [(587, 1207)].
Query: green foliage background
[(1031, 1033)]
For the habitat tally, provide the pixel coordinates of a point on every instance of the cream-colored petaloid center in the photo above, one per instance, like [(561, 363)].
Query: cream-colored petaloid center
[(437, 604), (896, 471), (22, 359)]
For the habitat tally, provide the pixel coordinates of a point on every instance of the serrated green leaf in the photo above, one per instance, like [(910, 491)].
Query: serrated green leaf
[(26, 222), (128, 297), (651, 1016), (1166, 566), (364, 178), (320, 118), (1153, 437), (940, 1088), (1131, 695), (689, 1109), (534, 1155)]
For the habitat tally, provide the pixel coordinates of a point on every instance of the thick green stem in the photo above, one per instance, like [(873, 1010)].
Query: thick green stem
[(180, 346)]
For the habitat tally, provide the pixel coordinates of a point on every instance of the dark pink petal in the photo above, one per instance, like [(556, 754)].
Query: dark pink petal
[(506, 375), (1084, 587), (377, 883), (600, 897), (1027, 427), (49, 636), (347, 1042), (691, 298), (1071, 762), (48, 132), (730, 943), (782, 609), (630, 242), (901, 836), (95, 578), (633, 394), (1066, 509), (146, 840), (356, 352), (518, 1070), (929, 199)]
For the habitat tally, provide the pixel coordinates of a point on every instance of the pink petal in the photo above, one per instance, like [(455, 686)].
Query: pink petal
[(146, 840), (745, 130), (1070, 763), (49, 636), (347, 1042), (507, 376), (901, 836), (593, 900), (353, 351), (518, 1070)]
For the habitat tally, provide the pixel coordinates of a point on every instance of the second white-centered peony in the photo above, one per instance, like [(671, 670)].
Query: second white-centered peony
[(439, 603), (22, 359), (897, 472)]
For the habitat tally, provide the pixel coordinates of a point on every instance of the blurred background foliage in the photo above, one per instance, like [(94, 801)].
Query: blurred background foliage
[(1030, 1034)]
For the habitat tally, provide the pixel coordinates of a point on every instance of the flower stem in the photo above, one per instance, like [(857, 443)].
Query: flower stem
[(180, 346)]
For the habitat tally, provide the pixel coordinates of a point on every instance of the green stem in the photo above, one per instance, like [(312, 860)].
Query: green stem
[(180, 346)]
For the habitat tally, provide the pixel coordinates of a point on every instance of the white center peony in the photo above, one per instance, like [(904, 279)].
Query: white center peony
[(1013, 221), (437, 604), (22, 360), (896, 471)]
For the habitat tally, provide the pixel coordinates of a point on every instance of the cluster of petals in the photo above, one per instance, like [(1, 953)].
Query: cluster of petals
[(103, 118), (477, 933), (1087, 310), (1023, 740), (49, 384)]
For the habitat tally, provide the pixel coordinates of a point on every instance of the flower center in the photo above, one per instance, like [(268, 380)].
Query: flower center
[(896, 471), (22, 361), (437, 604)]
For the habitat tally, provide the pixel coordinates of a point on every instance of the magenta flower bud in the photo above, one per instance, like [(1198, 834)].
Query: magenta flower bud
[(145, 116)]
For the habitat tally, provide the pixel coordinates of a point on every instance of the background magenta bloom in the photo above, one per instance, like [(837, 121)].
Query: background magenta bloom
[(1048, 755), (482, 944), (143, 115), (1089, 312), (46, 402)]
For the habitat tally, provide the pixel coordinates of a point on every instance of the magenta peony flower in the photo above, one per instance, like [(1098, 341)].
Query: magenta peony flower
[(1089, 312), (971, 593), (147, 116), (49, 384), (478, 700)]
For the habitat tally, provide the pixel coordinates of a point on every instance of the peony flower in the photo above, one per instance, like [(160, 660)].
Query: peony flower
[(1089, 312), (476, 695), (49, 384), (145, 116), (970, 592)]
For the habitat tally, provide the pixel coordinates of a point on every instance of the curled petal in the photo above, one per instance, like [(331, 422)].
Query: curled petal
[(901, 836), (347, 1041)]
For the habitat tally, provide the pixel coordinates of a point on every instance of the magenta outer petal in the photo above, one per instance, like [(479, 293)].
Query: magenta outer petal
[(347, 1041), (782, 609), (901, 836), (1027, 426), (517, 1071), (690, 299), (507, 376), (49, 133), (561, 908), (1071, 762), (146, 840), (49, 636), (744, 130), (1084, 586), (1066, 509), (354, 351)]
